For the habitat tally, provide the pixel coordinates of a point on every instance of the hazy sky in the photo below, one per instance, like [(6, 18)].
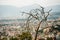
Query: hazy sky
[(21, 3)]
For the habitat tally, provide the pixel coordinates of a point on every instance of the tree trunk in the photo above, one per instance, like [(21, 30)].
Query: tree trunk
[(37, 30)]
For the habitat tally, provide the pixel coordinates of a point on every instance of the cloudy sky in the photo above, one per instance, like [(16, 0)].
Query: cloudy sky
[(21, 3)]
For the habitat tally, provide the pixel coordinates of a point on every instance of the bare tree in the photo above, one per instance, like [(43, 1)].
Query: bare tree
[(37, 17)]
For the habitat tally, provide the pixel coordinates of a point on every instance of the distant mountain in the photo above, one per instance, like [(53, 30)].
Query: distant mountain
[(55, 11), (12, 12), (8, 11), (55, 8)]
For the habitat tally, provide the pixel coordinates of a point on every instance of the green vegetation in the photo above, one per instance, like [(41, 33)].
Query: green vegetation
[(25, 36), (4, 38), (13, 38)]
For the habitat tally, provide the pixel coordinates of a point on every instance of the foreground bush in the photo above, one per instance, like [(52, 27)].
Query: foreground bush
[(13, 38), (25, 36)]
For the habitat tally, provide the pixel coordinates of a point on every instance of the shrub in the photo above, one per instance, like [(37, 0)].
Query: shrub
[(25, 36), (13, 38)]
